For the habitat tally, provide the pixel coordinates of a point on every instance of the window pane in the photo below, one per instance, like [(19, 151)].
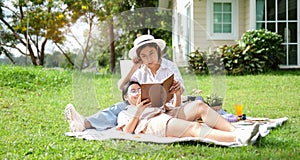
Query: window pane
[(292, 11), (294, 30), (227, 18), (293, 55), (260, 10), (260, 25), (281, 31), (270, 10), (217, 18), (283, 58), (217, 28), (226, 7), (271, 27), (281, 9), (217, 7), (227, 28)]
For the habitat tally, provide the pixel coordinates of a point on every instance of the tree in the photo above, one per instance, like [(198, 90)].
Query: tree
[(143, 19), (127, 19), (5, 38), (33, 24)]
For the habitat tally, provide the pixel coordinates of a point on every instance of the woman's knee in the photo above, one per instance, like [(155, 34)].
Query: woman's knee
[(195, 128), (202, 107)]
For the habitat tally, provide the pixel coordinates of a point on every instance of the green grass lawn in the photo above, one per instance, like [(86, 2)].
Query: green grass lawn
[(32, 101)]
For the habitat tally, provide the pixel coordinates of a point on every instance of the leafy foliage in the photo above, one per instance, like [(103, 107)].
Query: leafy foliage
[(49, 21), (32, 24), (258, 51), (267, 45), (205, 61), (213, 100), (197, 62)]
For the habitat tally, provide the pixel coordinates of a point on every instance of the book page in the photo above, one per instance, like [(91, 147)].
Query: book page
[(158, 93)]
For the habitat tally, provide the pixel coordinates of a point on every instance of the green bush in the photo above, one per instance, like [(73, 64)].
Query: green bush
[(266, 43), (258, 51), (196, 62), (242, 59), (205, 61)]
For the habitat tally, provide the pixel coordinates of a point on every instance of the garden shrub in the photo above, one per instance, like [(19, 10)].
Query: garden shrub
[(265, 43), (256, 52), (196, 62), (239, 59), (205, 61)]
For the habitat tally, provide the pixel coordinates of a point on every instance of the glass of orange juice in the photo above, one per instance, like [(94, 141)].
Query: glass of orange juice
[(239, 109)]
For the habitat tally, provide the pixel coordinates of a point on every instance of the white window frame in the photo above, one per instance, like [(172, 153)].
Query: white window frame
[(188, 29), (253, 26), (235, 23)]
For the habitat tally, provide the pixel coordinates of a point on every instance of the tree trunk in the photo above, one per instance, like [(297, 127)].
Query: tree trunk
[(31, 53), (112, 46), (42, 54), (64, 53)]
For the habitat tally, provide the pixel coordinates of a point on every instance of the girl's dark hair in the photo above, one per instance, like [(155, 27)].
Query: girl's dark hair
[(152, 44), (126, 86)]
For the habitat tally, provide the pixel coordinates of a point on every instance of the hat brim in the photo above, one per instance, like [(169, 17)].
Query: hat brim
[(161, 43)]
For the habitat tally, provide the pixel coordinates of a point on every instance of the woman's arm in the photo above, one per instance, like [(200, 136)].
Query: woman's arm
[(136, 65), (174, 68), (177, 91)]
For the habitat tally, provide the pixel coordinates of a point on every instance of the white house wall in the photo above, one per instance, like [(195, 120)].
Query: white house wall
[(179, 30), (199, 37)]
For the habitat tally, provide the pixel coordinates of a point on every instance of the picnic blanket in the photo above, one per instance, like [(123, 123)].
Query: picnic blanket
[(266, 125)]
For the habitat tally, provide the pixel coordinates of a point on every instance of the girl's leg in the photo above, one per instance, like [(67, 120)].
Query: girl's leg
[(181, 128), (87, 124), (76, 121), (200, 110)]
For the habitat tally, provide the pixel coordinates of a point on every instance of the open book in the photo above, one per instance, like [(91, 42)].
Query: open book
[(157, 93)]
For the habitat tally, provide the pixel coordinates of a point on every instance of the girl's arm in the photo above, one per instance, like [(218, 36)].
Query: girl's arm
[(133, 122)]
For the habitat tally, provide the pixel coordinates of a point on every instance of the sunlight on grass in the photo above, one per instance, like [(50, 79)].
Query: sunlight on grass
[(32, 124)]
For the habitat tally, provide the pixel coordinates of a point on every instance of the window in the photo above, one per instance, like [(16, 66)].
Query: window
[(281, 16), (222, 19)]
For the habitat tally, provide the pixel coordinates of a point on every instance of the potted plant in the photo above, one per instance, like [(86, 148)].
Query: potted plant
[(214, 101)]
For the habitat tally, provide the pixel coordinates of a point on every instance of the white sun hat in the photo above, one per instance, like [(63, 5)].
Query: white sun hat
[(144, 39)]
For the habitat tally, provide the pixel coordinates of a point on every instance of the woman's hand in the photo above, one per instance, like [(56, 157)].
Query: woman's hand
[(175, 88), (137, 62)]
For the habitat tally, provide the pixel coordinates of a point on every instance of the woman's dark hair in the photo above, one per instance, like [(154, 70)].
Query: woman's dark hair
[(154, 45), (126, 86)]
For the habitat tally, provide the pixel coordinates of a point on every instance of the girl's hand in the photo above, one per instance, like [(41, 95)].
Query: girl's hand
[(175, 88), (141, 106)]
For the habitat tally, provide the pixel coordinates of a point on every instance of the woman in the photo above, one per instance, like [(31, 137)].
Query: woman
[(142, 118), (149, 66)]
